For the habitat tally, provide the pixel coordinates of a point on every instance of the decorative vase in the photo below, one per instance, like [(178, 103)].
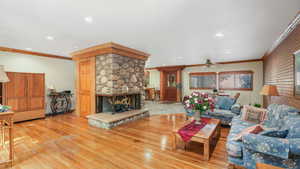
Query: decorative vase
[(197, 117)]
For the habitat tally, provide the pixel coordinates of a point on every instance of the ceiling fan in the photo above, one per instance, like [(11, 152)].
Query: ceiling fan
[(208, 63)]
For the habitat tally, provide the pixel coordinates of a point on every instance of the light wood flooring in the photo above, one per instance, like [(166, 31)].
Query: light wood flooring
[(67, 141)]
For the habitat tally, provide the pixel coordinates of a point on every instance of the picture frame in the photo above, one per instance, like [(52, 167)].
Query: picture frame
[(297, 74)]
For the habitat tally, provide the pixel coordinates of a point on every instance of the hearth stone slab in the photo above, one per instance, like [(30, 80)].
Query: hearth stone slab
[(108, 121)]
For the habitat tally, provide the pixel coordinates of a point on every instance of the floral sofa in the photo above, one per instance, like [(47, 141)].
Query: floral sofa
[(225, 109), (281, 152)]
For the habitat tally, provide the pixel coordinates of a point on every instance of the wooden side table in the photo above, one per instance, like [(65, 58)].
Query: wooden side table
[(7, 122), (266, 166)]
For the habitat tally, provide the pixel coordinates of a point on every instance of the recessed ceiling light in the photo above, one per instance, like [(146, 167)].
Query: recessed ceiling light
[(228, 52), (88, 19), (50, 37), (219, 35), (28, 48)]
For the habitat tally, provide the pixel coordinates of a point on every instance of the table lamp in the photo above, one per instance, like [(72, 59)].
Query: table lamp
[(269, 90), (3, 76), (3, 79)]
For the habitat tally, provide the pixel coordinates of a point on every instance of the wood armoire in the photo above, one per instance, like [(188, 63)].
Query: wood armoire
[(25, 93)]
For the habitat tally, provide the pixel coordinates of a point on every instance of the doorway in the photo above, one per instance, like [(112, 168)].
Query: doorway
[(170, 83)]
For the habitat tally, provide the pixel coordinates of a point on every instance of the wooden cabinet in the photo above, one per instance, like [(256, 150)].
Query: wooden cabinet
[(25, 93)]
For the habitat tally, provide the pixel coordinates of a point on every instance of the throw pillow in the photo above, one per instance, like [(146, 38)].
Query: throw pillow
[(253, 130), (253, 114), (275, 133)]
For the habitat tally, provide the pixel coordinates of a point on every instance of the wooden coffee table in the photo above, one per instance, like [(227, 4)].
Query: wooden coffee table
[(208, 134)]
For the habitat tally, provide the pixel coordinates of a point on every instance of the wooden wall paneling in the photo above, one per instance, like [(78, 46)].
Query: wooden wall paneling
[(279, 70), (86, 86)]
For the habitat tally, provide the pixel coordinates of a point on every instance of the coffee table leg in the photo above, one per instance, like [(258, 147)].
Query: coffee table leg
[(206, 151), (174, 141)]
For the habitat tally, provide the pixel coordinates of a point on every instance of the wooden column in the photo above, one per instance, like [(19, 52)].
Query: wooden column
[(179, 84), (162, 85)]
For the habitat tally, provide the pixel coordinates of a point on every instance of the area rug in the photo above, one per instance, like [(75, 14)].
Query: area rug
[(156, 108)]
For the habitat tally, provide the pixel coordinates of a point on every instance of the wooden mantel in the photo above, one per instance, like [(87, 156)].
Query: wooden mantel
[(108, 48)]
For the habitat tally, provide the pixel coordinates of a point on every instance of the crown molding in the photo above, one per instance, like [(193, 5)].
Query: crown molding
[(109, 48), (196, 65), (6, 49), (291, 27)]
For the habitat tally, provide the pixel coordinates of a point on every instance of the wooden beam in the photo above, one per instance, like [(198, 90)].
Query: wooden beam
[(6, 49), (108, 48)]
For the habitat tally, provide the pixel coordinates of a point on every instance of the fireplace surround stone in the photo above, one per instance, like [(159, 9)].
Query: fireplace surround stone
[(116, 74)]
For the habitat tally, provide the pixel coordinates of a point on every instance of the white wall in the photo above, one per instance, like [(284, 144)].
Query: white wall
[(58, 72), (246, 97)]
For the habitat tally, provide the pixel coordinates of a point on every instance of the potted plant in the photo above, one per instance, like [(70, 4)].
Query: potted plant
[(199, 103)]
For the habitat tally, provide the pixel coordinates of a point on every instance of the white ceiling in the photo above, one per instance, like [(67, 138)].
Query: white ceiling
[(172, 31)]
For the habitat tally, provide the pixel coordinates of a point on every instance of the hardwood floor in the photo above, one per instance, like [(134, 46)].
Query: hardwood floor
[(67, 141)]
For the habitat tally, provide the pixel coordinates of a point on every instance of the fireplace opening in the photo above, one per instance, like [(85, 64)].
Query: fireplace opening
[(118, 103)]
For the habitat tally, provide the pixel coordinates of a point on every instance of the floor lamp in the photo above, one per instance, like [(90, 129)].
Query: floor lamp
[(269, 90)]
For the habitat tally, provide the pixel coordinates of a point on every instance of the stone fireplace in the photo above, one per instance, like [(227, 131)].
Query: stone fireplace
[(119, 83), (110, 86)]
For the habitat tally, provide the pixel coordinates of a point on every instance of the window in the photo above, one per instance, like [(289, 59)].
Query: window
[(203, 80), (236, 80)]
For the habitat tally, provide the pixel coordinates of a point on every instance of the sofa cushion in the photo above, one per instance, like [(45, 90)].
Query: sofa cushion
[(294, 130), (276, 115), (221, 112), (224, 102)]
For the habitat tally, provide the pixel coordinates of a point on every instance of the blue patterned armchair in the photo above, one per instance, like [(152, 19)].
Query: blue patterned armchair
[(281, 152)]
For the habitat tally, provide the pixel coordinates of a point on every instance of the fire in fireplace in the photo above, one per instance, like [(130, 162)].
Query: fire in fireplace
[(118, 103)]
